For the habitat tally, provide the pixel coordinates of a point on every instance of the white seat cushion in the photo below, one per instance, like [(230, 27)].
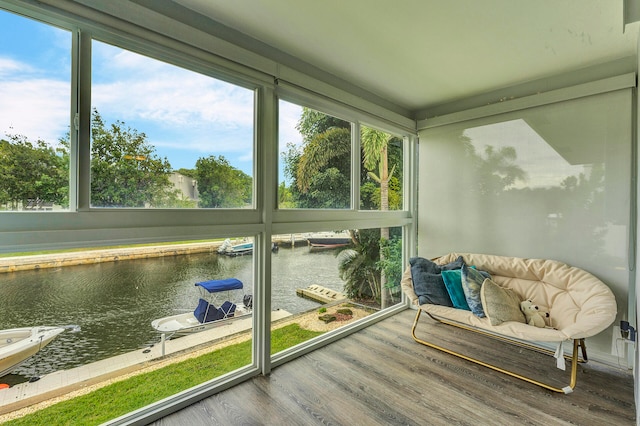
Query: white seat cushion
[(579, 304)]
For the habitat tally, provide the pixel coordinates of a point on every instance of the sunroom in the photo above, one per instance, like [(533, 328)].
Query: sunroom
[(416, 128)]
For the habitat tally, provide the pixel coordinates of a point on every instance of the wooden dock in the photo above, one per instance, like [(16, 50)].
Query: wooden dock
[(320, 294)]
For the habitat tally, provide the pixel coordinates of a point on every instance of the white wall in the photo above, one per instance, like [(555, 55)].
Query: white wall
[(556, 185)]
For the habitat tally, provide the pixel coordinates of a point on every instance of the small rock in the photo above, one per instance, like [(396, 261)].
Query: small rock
[(327, 318)]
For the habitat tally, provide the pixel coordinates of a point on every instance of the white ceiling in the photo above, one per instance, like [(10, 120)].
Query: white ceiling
[(421, 53)]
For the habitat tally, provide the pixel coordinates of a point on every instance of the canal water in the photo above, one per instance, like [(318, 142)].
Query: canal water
[(115, 302)]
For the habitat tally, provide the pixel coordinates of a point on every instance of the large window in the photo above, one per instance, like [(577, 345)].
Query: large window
[(338, 277), (35, 88), (167, 137), (175, 315), (170, 126)]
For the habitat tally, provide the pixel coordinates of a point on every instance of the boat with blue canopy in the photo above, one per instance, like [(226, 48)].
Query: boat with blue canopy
[(215, 308), (214, 286)]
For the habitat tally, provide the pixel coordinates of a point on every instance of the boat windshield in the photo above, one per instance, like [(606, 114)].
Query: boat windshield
[(214, 286)]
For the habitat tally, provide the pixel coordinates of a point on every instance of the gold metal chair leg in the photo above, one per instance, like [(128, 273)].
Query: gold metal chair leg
[(574, 359)]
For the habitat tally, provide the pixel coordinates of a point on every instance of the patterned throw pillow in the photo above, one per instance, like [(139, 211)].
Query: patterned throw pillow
[(500, 304), (471, 284)]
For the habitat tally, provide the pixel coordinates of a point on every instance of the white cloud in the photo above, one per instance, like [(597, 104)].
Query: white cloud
[(171, 102), (131, 87), (37, 109), (217, 144), (289, 115), (176, 108), (9, 67)]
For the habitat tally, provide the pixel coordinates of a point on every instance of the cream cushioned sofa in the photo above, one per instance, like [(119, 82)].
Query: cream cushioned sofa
[(579, 304)]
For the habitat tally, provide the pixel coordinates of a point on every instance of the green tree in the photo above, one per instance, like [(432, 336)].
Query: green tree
[(285, 196), (390, 264), (187, 172), (313, 123), (125, 171), (321, 174), (324, 170), (32, 173), (320, 169), (358, 266), (375, 158), (221, 185)]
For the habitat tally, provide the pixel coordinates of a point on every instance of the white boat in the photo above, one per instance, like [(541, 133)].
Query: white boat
[(329, 240), (207, 315), (17, 345), (229, 249)]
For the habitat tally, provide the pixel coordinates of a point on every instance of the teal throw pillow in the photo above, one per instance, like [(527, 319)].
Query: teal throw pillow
[(453, 283), (472, 280)]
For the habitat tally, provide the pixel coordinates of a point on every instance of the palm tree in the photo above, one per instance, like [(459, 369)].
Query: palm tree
[(375, 145), (325, 154), (319, 152), (320, 169)]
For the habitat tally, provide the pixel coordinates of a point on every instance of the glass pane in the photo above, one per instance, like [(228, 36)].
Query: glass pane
[(315, 159), (139, 320), (381, 175), (325, 280), (166, 137), (35, 88)]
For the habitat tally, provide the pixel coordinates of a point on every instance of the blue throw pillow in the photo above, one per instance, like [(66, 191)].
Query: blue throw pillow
[(456, 264), (428, 283), (453, 284), (471, 284)]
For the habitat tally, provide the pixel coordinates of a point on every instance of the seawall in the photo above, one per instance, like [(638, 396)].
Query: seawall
[(84, 257), (58, 260)]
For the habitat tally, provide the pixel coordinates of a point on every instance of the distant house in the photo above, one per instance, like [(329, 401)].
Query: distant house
[(188, 186)]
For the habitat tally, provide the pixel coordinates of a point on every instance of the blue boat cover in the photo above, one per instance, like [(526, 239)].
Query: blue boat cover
[(213, 286), (227, 309), (205, 311)]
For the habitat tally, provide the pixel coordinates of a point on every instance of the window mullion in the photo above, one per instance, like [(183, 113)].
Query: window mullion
[(356, 164), (82, 152)]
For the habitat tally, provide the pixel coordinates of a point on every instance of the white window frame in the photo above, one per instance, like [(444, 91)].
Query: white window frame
[(83, 226)]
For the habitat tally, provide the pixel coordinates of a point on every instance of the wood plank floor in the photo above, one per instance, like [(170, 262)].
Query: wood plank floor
[(380, 376)]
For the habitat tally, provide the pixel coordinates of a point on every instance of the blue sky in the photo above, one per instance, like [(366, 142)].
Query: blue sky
[(185, 115)]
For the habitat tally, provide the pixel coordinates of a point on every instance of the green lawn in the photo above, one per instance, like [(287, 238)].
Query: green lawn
[(125, 396)]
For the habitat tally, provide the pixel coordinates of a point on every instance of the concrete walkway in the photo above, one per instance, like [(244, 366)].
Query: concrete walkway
[(65, 381)]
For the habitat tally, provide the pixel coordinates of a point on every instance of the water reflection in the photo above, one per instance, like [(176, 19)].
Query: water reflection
[(114, 303)]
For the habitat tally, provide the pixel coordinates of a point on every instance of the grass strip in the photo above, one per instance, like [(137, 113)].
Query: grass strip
[(138, 391)]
